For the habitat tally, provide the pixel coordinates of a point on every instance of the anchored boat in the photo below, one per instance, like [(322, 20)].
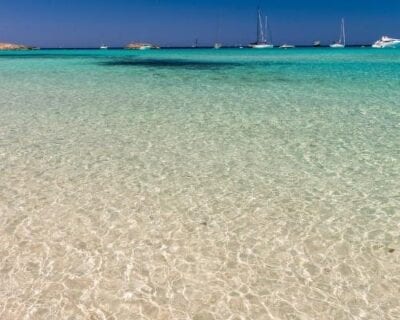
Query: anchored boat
[(287, 46), (342, 39), (386, 42), (317, 44), (141, 46), (218, 44), (262, 31)]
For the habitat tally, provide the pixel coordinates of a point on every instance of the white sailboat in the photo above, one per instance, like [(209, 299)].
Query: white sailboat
[(262, 31), (218, 44), (342, 39)]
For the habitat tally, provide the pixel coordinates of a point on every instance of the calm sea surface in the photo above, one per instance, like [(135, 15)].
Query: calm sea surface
[(200, 184)]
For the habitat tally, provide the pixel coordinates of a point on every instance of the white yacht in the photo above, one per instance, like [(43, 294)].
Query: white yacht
[(287, 46), (141, 46), (316, 43), (262, 31), (387, 42), (146, 47), (342, 39), (104, 47), (217, 45)]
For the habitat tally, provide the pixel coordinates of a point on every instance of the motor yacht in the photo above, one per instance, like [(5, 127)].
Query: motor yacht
[(386, 42), (287, 46)]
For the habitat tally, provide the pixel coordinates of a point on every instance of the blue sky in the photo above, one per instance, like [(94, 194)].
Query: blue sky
[(88, 23)]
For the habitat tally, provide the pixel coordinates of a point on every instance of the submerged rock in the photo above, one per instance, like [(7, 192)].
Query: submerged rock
[(12, 46)]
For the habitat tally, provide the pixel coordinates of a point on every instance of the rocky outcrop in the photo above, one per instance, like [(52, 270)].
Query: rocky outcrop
[(12, 46)]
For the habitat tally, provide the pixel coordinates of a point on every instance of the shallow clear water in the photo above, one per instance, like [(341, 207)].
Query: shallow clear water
[(200, 184)]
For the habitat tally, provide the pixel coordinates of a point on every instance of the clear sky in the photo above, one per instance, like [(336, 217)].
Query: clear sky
[(88, 23)]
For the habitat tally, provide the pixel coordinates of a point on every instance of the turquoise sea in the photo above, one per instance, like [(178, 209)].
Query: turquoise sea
[(200, 184)]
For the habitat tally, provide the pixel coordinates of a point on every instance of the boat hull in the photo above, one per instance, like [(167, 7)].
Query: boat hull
[(391, 45), (337, 46), (141, 46), (287, 46)]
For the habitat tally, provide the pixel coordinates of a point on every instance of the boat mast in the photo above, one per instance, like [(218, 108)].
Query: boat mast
[(268, 34), (218, 28), (342, 38), (343, 32), (258, 24), (260, 27)]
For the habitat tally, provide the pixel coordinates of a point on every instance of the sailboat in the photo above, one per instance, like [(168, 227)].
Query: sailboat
[(218, 44), (262, 30), (342, 40)]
